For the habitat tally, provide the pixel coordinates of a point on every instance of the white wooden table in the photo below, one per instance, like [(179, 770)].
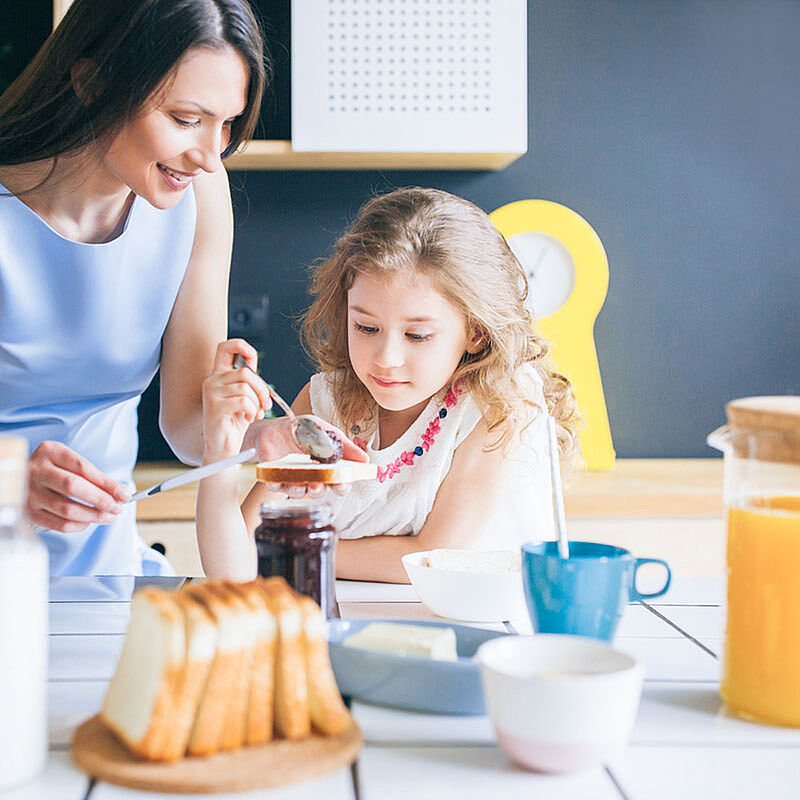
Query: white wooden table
[(685, 745)]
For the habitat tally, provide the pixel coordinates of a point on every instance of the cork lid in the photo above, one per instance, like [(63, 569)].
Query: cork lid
[(766, 428), (13, 446), (13, 456)]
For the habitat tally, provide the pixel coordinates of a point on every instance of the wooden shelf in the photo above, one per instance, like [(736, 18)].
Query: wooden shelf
[(277, 154)]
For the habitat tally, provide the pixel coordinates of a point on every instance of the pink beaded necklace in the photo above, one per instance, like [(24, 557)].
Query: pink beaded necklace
[(406, 458)]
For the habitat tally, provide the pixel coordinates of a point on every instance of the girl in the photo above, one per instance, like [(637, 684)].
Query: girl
[(115, 242), (428, 360)]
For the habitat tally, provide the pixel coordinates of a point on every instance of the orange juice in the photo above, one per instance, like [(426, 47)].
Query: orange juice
[(761, 670)]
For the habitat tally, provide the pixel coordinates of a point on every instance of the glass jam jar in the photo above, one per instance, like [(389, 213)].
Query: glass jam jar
[(761, 666), (296, 541)]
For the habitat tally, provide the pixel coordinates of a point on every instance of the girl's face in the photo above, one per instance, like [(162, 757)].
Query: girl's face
[(404, 338), (183, 131)]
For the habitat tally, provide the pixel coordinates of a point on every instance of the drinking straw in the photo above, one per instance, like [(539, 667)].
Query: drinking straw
[(558, 492)]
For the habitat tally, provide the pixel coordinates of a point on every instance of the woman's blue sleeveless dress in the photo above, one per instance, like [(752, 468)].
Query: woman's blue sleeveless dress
[(80, 340)]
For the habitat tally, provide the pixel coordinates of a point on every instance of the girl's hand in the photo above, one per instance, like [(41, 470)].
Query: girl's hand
[(232, 399), (297, 491), (273, 439), (67, 493)]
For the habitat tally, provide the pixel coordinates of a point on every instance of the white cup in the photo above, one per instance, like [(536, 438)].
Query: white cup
[(559, 703)]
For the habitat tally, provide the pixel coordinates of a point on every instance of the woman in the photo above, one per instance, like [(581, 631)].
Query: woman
[(115, 245)]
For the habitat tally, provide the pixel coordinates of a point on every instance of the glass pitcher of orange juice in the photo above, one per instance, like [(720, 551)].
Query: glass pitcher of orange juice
[(761, 667)]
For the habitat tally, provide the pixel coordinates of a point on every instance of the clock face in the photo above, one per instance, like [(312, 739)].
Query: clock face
[(549, 268)]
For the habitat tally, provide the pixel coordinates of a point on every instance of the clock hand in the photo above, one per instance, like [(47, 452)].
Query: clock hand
[(539, 259)]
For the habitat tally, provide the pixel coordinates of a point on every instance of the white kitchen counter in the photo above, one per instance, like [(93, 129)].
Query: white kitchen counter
[(685, 745)]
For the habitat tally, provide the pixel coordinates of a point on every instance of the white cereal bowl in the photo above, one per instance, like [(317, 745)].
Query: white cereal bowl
[(559, 703), (466, 596)]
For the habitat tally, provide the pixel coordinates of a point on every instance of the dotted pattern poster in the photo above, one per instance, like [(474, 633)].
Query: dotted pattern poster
[(409, 75)]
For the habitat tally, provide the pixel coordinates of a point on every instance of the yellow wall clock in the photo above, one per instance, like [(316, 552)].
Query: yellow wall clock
[(567, 271)]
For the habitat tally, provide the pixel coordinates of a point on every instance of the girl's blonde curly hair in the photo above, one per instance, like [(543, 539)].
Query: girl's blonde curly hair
[(455, 245)]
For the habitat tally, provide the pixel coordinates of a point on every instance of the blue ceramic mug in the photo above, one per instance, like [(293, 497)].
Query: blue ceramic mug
[(584, 594)]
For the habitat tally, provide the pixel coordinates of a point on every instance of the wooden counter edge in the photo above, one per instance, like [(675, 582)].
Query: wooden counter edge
[(632, 488)]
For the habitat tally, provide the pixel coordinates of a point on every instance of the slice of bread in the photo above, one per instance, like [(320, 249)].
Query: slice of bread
[(329, 714), (200, 631), (140, 697), (292, 718), (262, 681), (301, 469), (218, 700), (234, 732)]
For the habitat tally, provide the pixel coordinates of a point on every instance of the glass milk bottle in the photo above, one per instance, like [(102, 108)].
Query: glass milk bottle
[(23, 626), (761, 667)]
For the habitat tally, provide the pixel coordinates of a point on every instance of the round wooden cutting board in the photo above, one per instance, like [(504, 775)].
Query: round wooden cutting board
[(98, 752)]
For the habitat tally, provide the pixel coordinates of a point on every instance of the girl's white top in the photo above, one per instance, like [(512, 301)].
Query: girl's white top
[(400, 504)]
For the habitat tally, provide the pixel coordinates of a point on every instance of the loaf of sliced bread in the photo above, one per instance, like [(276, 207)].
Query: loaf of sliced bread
[(218, 665), (143, 692)]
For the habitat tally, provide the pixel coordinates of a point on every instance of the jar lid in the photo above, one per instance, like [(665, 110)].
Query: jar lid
[(13, 446), (318, 511), (766, 428), (13, 457)]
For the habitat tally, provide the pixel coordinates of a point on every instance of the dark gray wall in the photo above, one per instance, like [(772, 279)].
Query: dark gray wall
[(672, 127)]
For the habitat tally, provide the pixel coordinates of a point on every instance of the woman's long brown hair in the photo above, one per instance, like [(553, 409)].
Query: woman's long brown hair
[(124, 50)]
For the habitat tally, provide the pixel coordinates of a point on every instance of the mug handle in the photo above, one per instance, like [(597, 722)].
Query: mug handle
[(636, 595)]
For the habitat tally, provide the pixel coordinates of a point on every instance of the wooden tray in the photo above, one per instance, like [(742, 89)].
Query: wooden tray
[(98, 752)]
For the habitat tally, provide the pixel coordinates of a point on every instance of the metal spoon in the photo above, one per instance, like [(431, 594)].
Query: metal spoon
[(239, 362), (307, 434)]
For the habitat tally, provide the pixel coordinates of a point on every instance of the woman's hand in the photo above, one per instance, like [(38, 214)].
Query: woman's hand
[(232, 399), (67, 493)]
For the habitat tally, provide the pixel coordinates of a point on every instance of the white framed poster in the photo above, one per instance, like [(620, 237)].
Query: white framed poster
[(409, 76)]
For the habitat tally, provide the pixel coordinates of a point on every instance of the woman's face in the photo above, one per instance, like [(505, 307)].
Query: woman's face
[(183, 129)]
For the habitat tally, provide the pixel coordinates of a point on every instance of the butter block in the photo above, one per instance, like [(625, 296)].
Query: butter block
[(406, 640)]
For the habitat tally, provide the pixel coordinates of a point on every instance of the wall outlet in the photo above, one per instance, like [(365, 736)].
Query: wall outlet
[(248, 316)]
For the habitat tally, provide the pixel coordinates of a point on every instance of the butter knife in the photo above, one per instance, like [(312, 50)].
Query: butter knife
[(195, 474)]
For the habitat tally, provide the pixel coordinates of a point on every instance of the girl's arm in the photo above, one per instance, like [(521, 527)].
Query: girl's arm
[(473, 484), (232, 399), (199, 319), (224, 531)]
